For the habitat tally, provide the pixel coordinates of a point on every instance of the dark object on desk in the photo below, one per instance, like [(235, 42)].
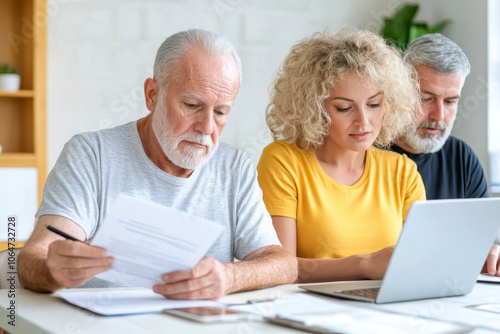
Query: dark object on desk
[(488, 279), (61, 233), (443, 245)]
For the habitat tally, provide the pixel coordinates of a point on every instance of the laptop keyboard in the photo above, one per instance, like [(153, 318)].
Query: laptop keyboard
[(366, 293)]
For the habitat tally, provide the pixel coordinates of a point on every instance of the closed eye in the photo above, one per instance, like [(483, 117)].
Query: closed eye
[(374, 105), (190, 105), (343, 109)]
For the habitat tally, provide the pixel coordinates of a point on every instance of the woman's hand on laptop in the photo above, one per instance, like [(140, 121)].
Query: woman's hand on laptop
[(492, 265), (375, 264)]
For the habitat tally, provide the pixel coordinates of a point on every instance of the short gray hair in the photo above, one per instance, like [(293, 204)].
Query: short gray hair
[(439, 53), (174, 47)]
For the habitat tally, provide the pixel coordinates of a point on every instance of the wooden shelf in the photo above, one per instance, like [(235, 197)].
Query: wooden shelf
[(4, 245), (23, 112), (18, 160), (19, 93)]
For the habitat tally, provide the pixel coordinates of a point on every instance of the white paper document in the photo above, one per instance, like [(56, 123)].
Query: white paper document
[(149, 240), (330, 315), (121, 301), (488, 278), (495, 308)]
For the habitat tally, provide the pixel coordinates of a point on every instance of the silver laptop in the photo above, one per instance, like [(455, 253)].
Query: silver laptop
[(441, 250)]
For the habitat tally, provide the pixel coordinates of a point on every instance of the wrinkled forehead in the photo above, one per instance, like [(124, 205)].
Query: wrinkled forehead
[(199, 63), (203, 73), (430, 79)]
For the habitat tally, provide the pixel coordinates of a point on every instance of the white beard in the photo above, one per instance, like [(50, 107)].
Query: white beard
[(430, 143), (188, 157)]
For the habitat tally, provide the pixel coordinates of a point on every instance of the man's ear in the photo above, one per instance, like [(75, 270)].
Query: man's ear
[(151, 93)]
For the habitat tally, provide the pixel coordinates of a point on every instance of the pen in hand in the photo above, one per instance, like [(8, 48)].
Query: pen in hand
[(61, 233)]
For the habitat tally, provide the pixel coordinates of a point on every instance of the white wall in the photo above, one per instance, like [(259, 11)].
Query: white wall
[(494, 93), (100, 52)]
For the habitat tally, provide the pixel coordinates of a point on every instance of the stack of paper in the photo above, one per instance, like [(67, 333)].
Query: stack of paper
[(305, 311)]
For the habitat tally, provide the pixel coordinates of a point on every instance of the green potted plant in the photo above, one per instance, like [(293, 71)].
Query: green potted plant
[(400, 29), (9, 78)]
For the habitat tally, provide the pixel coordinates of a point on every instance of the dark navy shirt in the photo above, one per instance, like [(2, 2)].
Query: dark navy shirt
[(452, 172)]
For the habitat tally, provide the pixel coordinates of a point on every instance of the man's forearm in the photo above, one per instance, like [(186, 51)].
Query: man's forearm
[(272, 266), (33, 271)]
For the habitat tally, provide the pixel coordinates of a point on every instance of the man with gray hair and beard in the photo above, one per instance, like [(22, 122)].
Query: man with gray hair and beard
[(448, 166), (171, 157)]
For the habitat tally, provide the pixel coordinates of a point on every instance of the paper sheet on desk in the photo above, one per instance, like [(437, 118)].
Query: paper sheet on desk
[(340, 316), (149, 240), (121, 301)]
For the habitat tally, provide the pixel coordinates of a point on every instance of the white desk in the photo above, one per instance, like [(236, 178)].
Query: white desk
[(45, 313)]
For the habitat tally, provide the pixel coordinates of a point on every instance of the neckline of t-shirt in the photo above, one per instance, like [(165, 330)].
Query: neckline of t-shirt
[(356, 185), (417, 157), (421, 157), (155, 169)]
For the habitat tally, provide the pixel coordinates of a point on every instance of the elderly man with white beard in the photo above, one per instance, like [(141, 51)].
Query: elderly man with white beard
[(171, 157)]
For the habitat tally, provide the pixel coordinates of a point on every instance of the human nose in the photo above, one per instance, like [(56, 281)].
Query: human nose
[(361, 117), (436, 112), (205, 122)]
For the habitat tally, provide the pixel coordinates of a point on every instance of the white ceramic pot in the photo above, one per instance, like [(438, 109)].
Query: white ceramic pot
[(10, 82)]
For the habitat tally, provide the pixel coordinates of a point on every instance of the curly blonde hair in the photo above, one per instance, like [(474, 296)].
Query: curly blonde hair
[(297, 114)]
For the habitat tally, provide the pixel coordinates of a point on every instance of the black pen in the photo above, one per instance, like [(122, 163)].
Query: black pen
[(61, 233)]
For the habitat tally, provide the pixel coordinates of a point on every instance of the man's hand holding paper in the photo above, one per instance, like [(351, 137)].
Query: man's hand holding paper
[(209, 279), (73, 263), (151, 242)]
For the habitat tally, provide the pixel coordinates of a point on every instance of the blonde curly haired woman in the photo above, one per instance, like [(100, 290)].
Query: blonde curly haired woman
[(337, 201)]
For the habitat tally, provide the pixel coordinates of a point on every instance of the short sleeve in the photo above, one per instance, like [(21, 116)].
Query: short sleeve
[(254, 228), (71, 189), (277, 178), (415, 189), (476, 185)]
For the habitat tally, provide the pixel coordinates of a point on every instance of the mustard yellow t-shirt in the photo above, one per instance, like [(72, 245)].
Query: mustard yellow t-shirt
[(334, 220)]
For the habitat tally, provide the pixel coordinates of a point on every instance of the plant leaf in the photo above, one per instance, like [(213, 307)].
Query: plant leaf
[(417, 31), (5, 68), (402, 21), (388, 31), (420, 25), (440, 26)]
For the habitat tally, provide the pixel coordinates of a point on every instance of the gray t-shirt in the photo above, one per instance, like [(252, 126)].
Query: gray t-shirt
[(95, 167)]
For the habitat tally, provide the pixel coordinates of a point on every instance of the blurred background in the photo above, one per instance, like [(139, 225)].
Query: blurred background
[(99, 52)]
